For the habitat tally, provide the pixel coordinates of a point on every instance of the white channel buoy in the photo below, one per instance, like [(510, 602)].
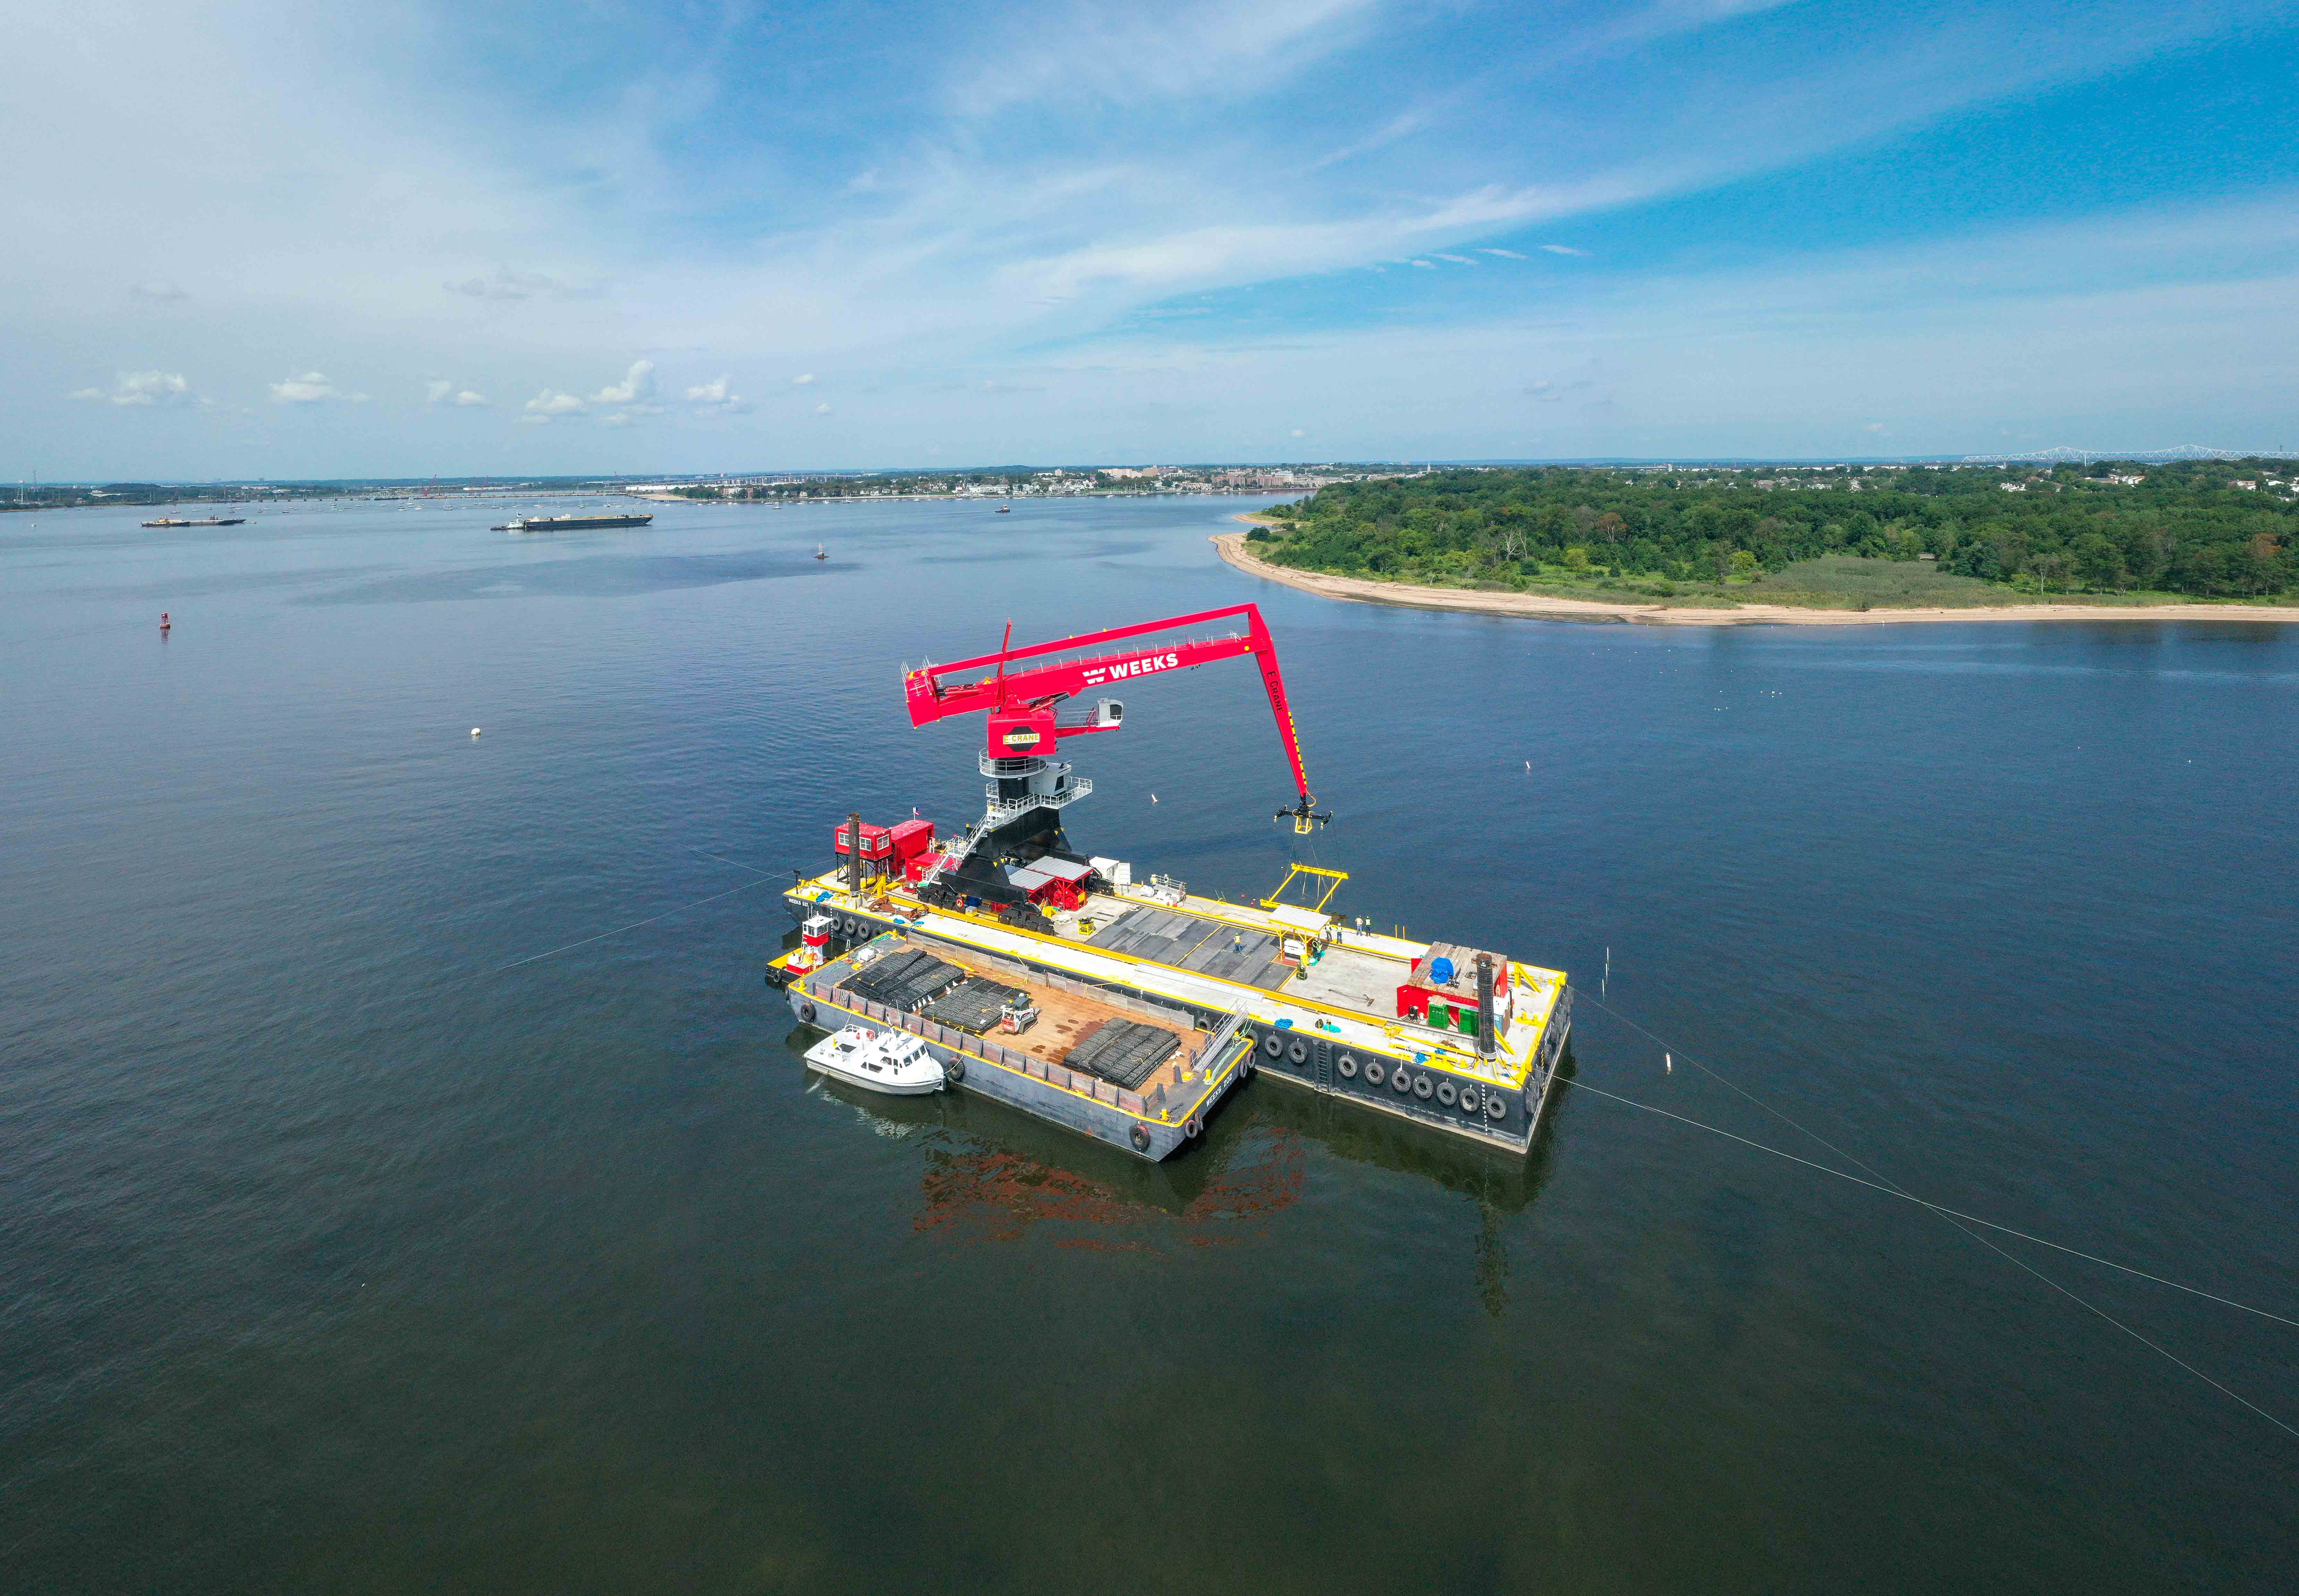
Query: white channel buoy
[(474, 731)]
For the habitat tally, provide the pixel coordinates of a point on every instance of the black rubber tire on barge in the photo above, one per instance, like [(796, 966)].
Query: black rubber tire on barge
[(806, 1014), (1347, 1064), (1272, 1044), (1400, 1083), (1446, 1094), (1300, 1052), (953, 1070), (1374, 1073), (1421, 1088), (1496, 1107), (1140, 1137)]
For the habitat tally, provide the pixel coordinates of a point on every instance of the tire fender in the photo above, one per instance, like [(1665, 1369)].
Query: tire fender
[(1446, 1094), (1140, 1137), (1374, 1073), (1421, 1086), (1347, 1064), (1191, 1128), (953, 1070), (1272, 1044), (1300, 1052)]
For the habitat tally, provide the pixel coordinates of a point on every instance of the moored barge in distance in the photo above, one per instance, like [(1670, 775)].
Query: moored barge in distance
[(570, 523), (1465, 1041)]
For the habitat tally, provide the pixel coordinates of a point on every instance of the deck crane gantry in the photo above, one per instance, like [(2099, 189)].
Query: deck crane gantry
[(1021, 704)]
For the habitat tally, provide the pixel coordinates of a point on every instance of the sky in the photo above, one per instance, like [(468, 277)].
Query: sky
[(252, 239)]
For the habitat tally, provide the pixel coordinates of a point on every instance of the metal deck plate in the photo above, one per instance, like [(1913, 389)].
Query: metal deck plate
[(973, 1004), (1185, 941), (1124, 1053)]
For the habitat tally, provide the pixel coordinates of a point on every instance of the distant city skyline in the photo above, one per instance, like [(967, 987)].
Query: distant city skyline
[(528, 241)]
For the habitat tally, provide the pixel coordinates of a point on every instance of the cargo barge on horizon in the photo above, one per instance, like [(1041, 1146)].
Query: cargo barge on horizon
[(1057, 983), (570, 523)]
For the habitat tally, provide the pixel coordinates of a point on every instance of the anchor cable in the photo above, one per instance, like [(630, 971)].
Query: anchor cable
[(1949, 1214), (1880, 1185)]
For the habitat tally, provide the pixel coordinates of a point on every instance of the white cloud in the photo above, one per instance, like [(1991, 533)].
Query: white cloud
[(1133, 50), (160, 293), (1562, 249), (1505, 255), (717, 397), (639, 379), (822, 410), (511, 285), (434, 391), (151, 387), (552, 402), (143, 388), (1457, 259), (1424, 265), (1876, 426), (467, 398), (802, 379), (1298, 432), (311, 387), (621, 417)]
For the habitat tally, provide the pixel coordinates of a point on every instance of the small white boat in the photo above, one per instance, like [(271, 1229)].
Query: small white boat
[(890, 1061)]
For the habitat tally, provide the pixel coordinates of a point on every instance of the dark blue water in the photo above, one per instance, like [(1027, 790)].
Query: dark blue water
[(338, 1251)]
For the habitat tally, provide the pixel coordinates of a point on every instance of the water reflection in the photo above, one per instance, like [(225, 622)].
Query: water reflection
[(994, 1175)]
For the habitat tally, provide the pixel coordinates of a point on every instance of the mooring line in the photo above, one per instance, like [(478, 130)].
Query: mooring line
[(1951, 1216), (633, 926), (722, 859), (1881, 1184)]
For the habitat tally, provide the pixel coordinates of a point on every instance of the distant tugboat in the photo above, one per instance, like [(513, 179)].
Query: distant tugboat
[(818, 554), (1005, 510)]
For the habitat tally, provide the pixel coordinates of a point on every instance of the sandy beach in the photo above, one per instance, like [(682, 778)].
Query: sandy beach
[(1534, 606)]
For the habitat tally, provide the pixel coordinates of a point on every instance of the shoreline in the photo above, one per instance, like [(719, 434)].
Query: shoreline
[(1536, 606)]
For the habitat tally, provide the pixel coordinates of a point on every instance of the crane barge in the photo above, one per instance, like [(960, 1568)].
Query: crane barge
[(1056, 982)]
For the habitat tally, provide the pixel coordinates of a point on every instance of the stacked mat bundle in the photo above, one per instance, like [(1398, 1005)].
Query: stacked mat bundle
[(973, 1004), (1124, 1053), (908, 980)]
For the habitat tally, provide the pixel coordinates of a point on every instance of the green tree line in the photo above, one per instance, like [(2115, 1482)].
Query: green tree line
[(2186, 527)]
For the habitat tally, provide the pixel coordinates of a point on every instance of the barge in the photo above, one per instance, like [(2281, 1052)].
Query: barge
[(1462, 1040)]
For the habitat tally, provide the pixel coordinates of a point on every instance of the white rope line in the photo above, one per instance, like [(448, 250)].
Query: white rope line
[(1881, 1185), (1951, 1216), (737, 863), (633, 926)]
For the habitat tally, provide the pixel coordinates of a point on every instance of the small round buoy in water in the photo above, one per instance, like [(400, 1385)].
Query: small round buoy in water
[(474, 731), (164, 622)]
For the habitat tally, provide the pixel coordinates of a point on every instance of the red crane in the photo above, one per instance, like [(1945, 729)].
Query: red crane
[(1021, 704)]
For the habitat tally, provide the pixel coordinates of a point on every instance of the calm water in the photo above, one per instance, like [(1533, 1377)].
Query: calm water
[(335, 1255)]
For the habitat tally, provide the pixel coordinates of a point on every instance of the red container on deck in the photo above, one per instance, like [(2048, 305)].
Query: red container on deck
[(911, 838)]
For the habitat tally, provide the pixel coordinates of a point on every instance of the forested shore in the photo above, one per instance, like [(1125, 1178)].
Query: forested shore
[(2206, 529)]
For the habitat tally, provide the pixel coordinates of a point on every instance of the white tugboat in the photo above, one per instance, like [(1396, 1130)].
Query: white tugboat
[(888, 1062)]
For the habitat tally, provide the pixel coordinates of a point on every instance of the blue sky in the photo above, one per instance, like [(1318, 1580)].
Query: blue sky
[(406, 237)]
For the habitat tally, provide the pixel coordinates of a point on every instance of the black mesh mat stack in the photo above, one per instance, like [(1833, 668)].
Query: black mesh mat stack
[(906, 980), (973, 1004), (1124, 1053)]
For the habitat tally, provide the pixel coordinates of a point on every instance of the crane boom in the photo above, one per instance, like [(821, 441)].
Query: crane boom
[(1020, 705)]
